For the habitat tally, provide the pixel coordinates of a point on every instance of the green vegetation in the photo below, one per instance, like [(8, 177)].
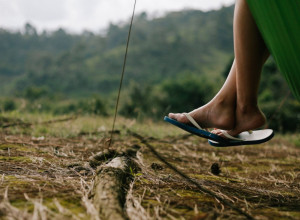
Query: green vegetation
[(175, 63)]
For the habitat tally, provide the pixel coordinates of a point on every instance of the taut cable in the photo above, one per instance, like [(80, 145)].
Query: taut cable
[(122, 76)]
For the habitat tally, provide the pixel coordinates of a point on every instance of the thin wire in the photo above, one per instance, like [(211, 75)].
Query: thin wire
[(122, 76)]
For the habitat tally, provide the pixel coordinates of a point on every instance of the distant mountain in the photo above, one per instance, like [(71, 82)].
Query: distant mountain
[(185, 42)]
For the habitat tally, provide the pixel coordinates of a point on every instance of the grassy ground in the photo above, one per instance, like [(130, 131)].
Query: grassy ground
[(45, 173)]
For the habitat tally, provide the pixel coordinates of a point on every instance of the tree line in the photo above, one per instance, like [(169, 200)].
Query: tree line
[(175, 63)]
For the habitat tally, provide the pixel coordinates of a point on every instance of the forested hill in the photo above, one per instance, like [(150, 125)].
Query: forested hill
[(186, 42)]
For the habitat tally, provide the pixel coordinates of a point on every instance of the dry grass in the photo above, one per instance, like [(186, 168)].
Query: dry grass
[(45, 174), (262, 180)]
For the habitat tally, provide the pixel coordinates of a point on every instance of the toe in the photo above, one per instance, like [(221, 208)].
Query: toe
[(178, 117), (182, 118), (218, 132), (172, 115), (214, 131)]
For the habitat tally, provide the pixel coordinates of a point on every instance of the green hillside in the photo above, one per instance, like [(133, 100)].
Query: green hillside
[(77, 65)]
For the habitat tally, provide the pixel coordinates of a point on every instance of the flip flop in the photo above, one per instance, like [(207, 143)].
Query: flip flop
[(195, 128), (244, 138)]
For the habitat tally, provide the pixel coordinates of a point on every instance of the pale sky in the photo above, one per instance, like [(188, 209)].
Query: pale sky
[(92, 15)]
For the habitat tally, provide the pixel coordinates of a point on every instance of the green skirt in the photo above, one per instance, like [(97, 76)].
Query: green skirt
[(279, 24)]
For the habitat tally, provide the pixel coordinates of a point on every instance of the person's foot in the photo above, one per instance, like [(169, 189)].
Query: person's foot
[(216, 114), (247, 119)]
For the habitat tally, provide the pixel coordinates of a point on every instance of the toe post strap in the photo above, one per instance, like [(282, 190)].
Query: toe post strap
[(190, 118)]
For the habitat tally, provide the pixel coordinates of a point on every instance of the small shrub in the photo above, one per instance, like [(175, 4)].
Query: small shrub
[(33, 93), (9, 105)]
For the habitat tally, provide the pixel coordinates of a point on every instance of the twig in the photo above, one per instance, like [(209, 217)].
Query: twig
[(16, 124), (200, 187), (27, 124), (57, 120)]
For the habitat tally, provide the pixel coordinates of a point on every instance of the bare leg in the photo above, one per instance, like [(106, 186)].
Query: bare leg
[(236, 102), (251, 53)]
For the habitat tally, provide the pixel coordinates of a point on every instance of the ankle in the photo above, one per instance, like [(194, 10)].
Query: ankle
[(247, 108), (223, 102), (251, 113)]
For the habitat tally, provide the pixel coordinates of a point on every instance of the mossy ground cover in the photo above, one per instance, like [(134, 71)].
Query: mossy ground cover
[(44, 172)]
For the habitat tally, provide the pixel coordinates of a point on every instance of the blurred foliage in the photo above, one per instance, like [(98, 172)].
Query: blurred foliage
[(175, 63), (8, 105), (187, 92), (181, 94), (93, 106), (34, 93), (87, 63), (280, 107), (140, 102)]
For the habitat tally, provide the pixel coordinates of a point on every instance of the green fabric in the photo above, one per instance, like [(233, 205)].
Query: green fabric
[(279, 24)]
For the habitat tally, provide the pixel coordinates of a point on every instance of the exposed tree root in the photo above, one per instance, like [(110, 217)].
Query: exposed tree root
[(111, 184)]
